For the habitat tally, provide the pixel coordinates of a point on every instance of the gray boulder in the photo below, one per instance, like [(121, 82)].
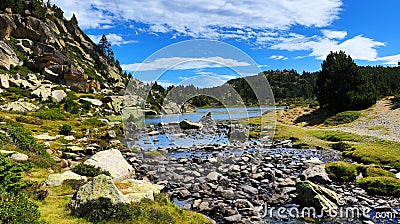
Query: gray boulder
[(43, 92), (7, 56), (101, 186), (58, 95), (317, 174), (318, 197), (113, 162)]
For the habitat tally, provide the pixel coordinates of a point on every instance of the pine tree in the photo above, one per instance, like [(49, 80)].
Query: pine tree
[(340, 85)]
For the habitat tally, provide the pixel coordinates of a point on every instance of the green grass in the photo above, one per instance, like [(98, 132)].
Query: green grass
[(342, 118), (387, 186), (342, 171)]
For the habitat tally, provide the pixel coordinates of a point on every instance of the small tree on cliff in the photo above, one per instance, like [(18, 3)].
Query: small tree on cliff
[(340, 85), (105, 47)]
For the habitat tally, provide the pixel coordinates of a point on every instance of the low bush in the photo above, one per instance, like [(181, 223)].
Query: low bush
[(89, 170), (17, 209), (29, 120), (11, 175), (65, 129), (103, 209), (342, 171), (386, 186), (342, 118), (50, 114)]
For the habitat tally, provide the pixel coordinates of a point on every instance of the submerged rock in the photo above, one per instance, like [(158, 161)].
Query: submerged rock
[(186, 124)]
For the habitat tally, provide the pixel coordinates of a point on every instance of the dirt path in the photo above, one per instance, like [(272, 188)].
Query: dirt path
[(381, 121)]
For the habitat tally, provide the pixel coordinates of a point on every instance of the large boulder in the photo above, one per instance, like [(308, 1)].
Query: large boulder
[(317, 174), (186, 124), (101, 187), (317, 197), (20, 106), (58, 179), (4, 81), (58, 95), (43, 92), (113, 162), (7, 56)]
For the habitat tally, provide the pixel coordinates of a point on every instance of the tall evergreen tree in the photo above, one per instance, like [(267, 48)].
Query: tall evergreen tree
[(340, 85)]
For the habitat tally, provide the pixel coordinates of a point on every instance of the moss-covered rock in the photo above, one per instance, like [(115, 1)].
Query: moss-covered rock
[(318, 197)]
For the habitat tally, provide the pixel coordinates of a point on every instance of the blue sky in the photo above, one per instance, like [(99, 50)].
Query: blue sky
[(276, 34)]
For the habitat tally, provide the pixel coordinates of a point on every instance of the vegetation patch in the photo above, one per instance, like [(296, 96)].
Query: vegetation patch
[(95, 122), (343, 118), (29, 120), (65, 129), (387, 186), (342, 171), (89, 170), (50, 114)]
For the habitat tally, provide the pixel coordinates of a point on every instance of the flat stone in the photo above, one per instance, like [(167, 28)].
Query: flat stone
[(94, 102), (19, 157), (213, 176), (58, 179), (398, 175), (69, 138), (135, 190), (45, 137)]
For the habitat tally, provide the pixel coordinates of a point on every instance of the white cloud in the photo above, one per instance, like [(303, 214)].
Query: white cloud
[(205, 18), (113, 38), (182, 63), (358, 47), (334, 34), (390, 60), (278, 57)]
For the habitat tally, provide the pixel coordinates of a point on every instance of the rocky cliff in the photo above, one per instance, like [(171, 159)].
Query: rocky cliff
[(46, 43)]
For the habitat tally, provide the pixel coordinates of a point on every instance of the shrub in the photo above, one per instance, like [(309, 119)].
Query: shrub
[(342, 118), (65, 129), (342, 171), (29, 120), (103, 209), (50, 114), (11, 175), (89, 170), (17, 209), (70, 105), (387, 186)]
